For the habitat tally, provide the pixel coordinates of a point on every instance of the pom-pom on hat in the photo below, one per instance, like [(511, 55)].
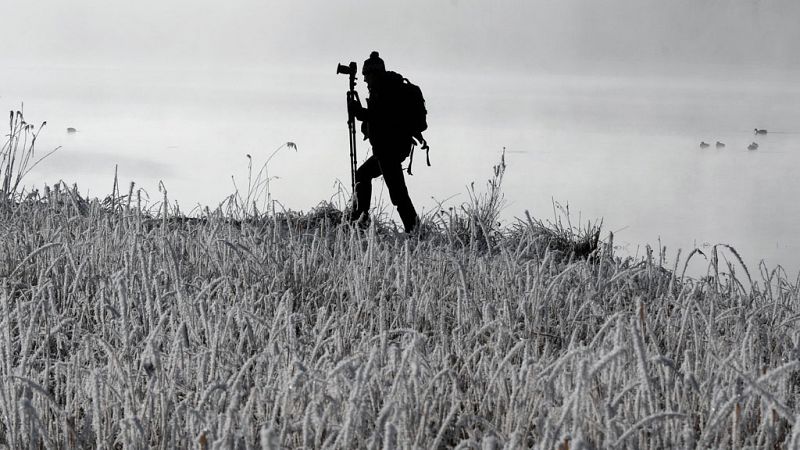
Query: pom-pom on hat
[(373, 64)]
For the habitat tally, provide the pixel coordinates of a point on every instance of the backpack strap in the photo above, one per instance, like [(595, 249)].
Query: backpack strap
[(411, 155), (411, 158)]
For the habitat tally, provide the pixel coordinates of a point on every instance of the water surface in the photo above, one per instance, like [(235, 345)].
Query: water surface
[(621, 148)]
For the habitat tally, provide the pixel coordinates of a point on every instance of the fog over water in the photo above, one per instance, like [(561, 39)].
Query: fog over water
[(599, 105)]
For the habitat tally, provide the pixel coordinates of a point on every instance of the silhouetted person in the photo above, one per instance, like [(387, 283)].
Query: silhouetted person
[(391, 143)]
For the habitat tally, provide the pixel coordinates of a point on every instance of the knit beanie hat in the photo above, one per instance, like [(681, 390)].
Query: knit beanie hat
[(373, 64)]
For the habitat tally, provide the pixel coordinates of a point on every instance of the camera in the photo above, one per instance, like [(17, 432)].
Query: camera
[(349, 69)]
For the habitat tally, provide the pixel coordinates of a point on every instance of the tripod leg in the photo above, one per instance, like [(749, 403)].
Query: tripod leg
[(352, 158)]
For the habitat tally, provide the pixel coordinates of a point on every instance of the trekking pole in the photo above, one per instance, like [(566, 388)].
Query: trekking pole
[(352, 96)]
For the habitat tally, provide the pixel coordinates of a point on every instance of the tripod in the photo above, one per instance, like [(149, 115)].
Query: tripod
[(352, 97)]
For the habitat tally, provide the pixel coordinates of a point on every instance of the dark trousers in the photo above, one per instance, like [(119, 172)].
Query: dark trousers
[(391, 169)]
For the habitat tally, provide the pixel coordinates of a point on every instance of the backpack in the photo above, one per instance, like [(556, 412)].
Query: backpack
[(414, 107), (413, 112)]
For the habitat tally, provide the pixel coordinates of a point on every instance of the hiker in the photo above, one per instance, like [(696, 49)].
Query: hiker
[(391, 140)]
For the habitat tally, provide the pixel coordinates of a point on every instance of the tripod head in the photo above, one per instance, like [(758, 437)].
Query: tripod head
[(351, 70)]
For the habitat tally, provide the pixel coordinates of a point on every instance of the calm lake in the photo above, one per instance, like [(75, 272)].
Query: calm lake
[(621, 148)]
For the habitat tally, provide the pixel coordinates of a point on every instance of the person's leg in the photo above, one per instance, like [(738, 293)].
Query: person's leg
[(363, 195), (398, 192)]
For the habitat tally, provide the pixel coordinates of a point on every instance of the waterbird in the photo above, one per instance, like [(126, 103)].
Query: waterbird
[(71, 130), (720, 144), (752, 146), (703, 144), (757, 131)]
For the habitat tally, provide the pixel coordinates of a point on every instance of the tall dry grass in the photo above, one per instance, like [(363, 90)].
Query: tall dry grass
[(125, 329), (18, 153)]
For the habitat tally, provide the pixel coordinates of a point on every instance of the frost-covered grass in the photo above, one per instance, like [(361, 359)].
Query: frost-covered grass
[(121, 329)]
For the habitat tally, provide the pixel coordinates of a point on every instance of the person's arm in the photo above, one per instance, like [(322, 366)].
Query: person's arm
[(358, 111), (362, 114)]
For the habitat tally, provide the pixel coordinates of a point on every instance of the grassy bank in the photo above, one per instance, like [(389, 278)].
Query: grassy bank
[(124, 328)]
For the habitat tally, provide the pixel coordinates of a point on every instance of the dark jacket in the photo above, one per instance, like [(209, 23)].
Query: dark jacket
[(382, 116)]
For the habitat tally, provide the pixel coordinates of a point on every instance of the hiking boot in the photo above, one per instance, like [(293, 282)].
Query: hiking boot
[(412, 224), (420, 231), (361, 220)]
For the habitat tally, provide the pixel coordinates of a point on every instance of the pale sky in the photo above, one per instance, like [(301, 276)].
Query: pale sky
[(518, 36)]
